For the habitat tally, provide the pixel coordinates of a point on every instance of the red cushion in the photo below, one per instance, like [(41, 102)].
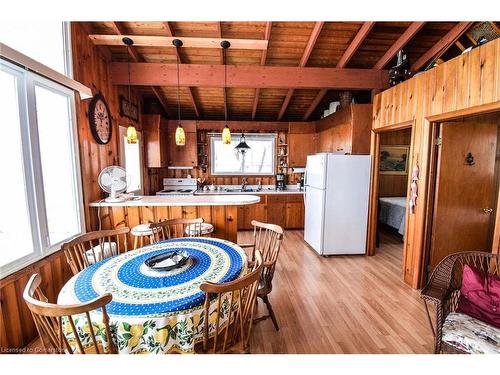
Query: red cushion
[(480, 296)]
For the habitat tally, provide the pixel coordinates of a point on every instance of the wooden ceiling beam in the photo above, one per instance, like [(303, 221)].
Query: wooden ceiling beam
[(87, 27), (267, 36), (398, 44), (303, 62), (355, 43), (119, 29), (248, 76), (438, 49), (166, 41), (347, 55)]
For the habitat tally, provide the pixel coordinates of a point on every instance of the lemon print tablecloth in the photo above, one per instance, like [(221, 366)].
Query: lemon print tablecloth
[(155, 311)]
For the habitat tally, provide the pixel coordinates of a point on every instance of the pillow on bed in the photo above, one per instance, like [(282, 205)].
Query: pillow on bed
[(480, 296)]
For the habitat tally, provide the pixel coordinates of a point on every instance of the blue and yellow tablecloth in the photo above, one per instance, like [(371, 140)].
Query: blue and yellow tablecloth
[(155, 311)]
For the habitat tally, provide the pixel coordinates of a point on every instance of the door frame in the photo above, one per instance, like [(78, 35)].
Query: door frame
[(374, 184), (432, 126)]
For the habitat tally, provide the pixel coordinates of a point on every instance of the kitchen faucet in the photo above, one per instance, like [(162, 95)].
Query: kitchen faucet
[(244, 184)]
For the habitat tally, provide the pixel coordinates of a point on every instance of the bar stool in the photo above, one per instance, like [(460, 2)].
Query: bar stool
[(198, 230), (139, 232)]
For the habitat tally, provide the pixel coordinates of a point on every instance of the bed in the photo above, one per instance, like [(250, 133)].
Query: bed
[(392, 212)]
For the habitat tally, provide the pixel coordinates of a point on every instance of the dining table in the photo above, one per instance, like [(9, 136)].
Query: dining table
[(155, 311)]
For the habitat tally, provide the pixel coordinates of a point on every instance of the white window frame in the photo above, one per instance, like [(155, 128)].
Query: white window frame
[(32, 164), (122, 131), (218, 136)]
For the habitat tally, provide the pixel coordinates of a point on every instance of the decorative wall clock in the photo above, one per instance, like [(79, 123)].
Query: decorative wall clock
[(100, 119)]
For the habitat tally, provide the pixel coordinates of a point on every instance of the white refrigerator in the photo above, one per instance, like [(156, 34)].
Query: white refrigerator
[(336, 199)]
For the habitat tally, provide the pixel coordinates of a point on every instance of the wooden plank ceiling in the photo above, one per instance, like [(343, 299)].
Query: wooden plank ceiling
[(345, 45)]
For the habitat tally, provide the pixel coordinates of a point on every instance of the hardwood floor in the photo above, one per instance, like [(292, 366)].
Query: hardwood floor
[(341, 304)]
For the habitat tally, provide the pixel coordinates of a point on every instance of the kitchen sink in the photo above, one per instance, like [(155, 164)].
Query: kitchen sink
[(239, 190)]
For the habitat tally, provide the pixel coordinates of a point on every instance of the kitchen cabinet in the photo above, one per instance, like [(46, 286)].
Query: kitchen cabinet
[(294, 212), (276, 205), (182, 156), (155, 133), (299, 146), (302, 141), (286, 210), (251, 212), (347, 130)]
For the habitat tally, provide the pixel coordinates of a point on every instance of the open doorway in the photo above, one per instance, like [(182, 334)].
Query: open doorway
[(465, 163), (393, 169)]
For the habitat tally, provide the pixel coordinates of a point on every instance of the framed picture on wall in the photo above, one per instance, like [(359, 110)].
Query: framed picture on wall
[(128, 109), (394, 159)]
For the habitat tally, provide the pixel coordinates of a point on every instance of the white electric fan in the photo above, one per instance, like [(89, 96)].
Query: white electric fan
[(113, 180)]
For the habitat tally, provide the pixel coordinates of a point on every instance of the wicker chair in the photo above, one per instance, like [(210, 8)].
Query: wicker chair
[(234, 335), (50, 320), (267, 239), (443, 289)]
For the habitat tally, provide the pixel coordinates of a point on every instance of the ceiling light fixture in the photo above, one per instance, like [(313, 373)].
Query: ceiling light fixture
[(180, 136), (131, 131), (226, 133), (242, 146)]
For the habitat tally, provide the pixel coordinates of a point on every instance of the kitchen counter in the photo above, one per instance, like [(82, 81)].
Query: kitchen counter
[(266, 189), (246, 193), (209, 199), (220, 210)]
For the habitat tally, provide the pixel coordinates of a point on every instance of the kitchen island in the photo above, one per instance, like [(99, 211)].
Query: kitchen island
[(219, 210)]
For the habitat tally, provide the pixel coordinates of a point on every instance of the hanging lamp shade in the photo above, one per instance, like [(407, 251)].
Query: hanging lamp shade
[(180, 136), (131, 131), (226, 135), (131, 134), (243, 145)]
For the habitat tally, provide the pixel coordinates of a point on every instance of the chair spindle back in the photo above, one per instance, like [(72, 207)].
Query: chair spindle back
[(93, 247), (55, 322)]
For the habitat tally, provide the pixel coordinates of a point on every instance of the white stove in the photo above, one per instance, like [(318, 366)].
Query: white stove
[(178, 186)]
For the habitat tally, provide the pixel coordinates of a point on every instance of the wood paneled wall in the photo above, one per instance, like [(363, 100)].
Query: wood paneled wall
[(394, 185), (90, 67), (223, 218), (466, 85), (17, 328)]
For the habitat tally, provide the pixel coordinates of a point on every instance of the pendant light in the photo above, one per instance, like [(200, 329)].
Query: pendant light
[(131, 131), (180, 136), (242, 146), (226, 133)]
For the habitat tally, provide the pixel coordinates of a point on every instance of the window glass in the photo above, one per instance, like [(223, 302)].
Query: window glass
[(60, 187), (258, 160), (132, 154), (45, 42), (15, 230)]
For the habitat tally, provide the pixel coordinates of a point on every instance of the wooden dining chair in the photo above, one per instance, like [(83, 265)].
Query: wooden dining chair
[(175, 228), (92, 247), (236, 304), (55, 322), (267, 239)]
